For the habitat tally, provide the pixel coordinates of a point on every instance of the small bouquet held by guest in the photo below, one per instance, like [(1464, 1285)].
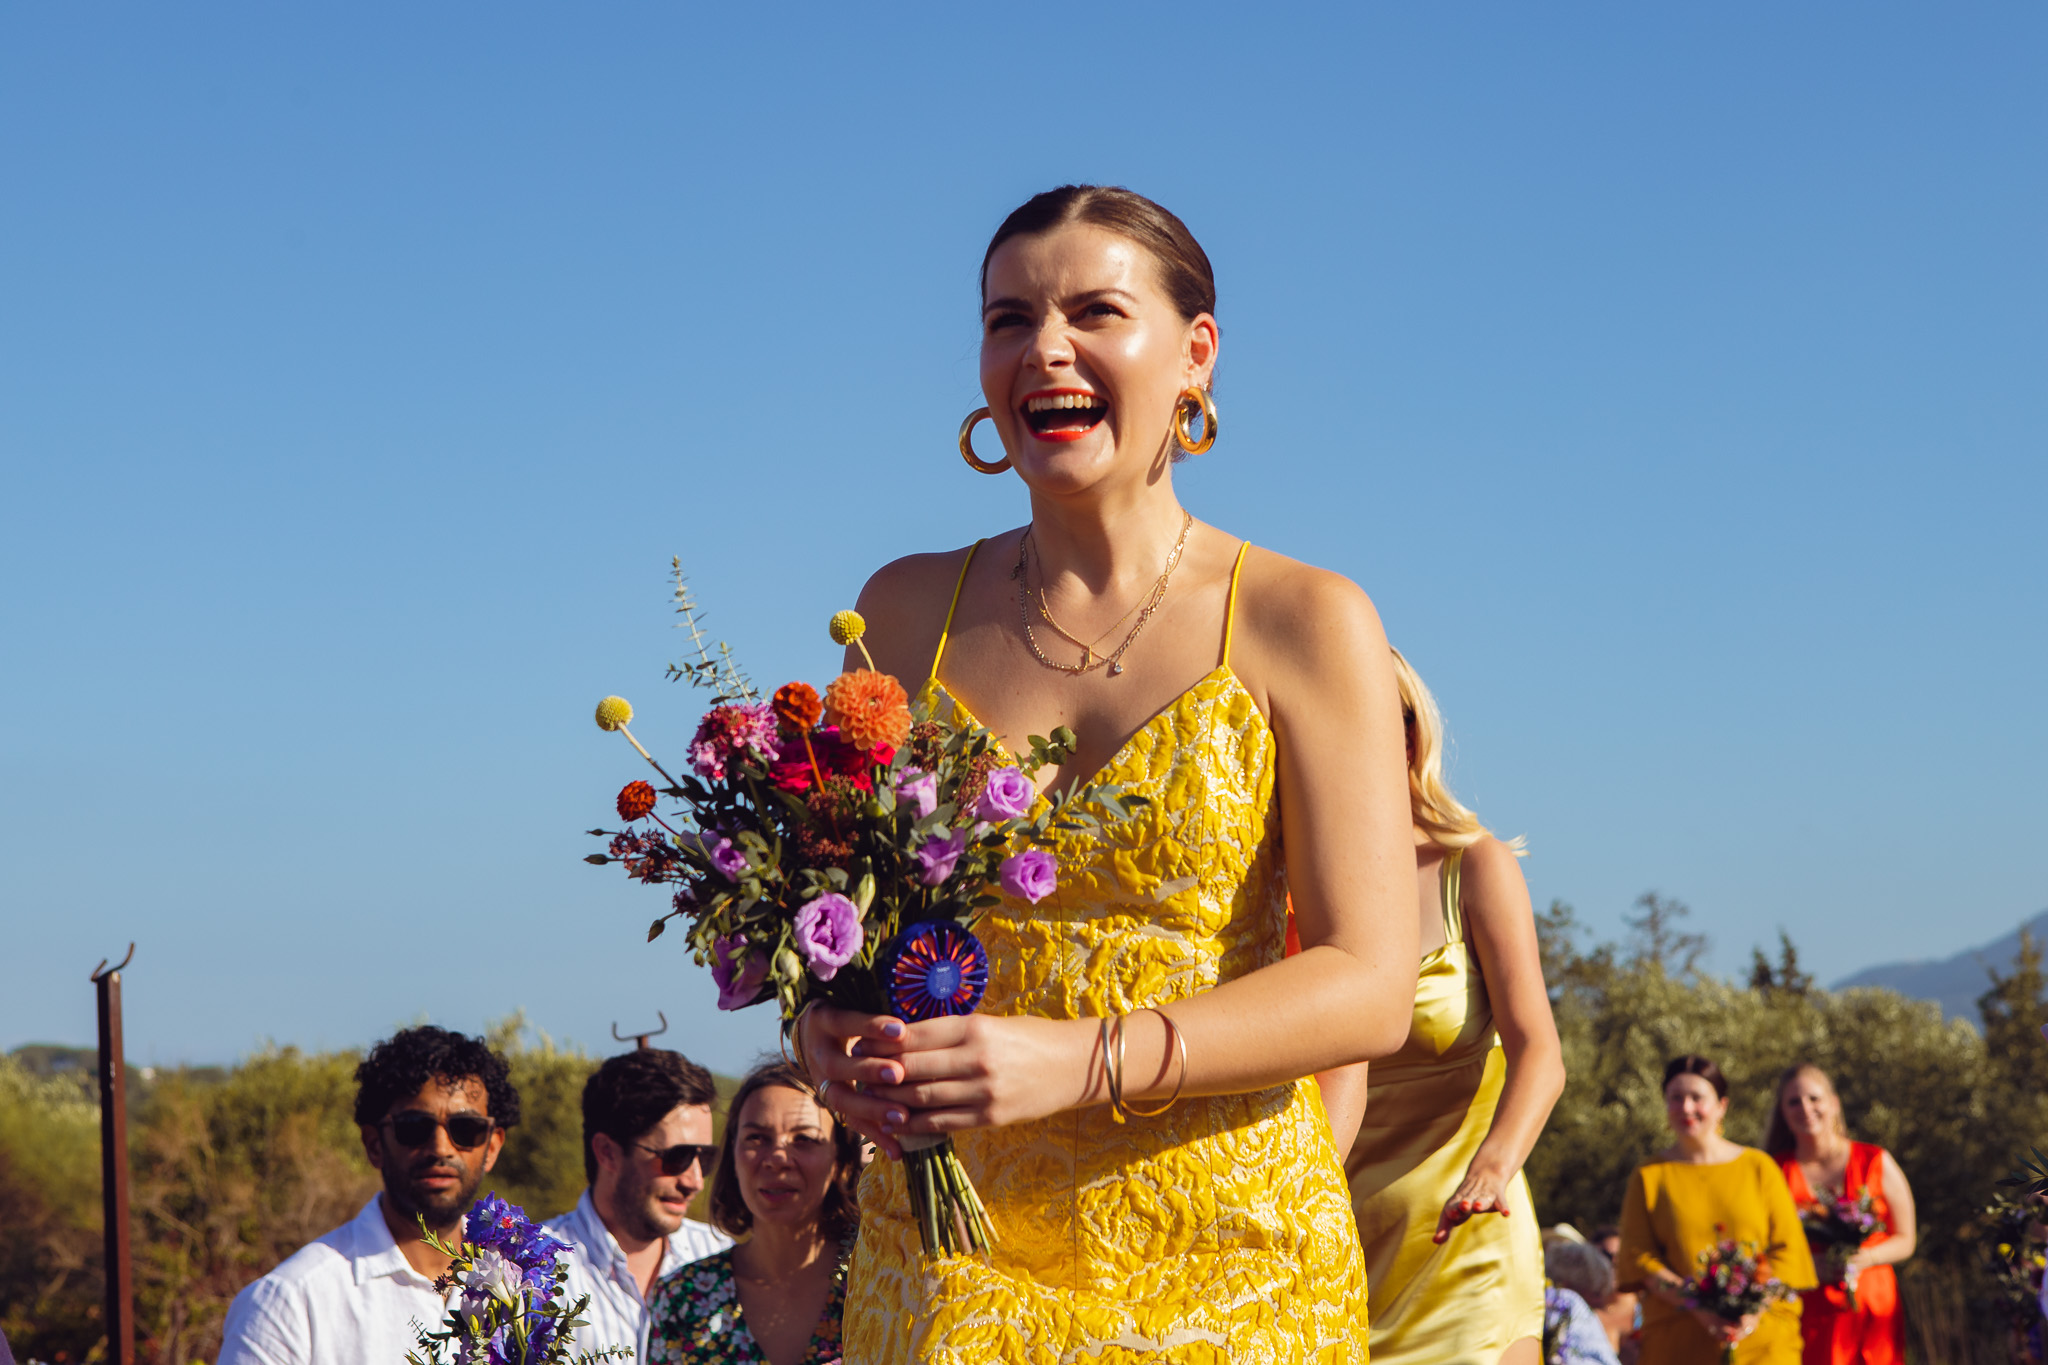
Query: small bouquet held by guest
[(510, 1312), (1733, 1283), (1836, 1225), (840, 848)]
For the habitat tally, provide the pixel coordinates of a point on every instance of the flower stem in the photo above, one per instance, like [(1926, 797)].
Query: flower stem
[(649, 757)]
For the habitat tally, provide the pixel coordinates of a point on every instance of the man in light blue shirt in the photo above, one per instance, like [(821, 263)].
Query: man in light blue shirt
[(647, 1152)]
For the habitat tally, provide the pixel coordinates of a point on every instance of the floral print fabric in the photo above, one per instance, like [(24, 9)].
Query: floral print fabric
[(697, 1319), (1220, 1231)]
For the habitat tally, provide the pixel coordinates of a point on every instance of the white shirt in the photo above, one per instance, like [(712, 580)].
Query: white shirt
[(346, 1299), (618, 1313)]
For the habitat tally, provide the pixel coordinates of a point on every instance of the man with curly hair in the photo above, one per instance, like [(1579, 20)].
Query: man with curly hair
[(433, 1107), (647, 1151)]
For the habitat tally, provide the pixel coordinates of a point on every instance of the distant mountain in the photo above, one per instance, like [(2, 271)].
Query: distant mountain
[(1952, 982)]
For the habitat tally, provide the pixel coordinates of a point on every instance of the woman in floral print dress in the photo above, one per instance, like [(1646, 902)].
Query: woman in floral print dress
[(784, 1188)]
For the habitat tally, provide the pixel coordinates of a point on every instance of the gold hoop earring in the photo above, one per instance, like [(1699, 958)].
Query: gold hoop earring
[(974, 462), (1194, 399)]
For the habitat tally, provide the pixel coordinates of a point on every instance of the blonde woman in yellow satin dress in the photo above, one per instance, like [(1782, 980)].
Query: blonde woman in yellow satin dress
[(1229, 685), (1452, 1249)]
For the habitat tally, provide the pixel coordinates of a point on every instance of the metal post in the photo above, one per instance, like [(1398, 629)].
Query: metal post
[(120, 1315), (639, 1040)]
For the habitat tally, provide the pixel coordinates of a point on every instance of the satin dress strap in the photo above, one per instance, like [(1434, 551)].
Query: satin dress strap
[(954, 605), (1230, 602), (1450, 890)]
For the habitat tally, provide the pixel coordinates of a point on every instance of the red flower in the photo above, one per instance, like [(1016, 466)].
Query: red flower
[(636, 800), (796, 706)]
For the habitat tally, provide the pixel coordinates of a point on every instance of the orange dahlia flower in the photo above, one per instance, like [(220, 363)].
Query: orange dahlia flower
[(797, 706), (869, 708), (636, 799)]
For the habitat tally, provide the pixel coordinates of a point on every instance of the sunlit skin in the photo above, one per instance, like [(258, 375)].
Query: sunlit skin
[(784, 1159), (1694, 1114), (438, 1180), (1814, 1114), (639, 1205), (1080, 310)]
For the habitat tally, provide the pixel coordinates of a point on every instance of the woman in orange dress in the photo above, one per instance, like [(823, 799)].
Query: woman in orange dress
[(1812, 1146), (1699, 1191)]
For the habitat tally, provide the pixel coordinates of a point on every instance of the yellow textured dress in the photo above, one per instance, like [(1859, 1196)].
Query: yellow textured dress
[(1427, 1109), (1673, 1211), (1217, 1232)]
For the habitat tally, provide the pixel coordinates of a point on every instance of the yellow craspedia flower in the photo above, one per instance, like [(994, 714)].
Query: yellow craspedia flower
[(847, 626), (613, 712)]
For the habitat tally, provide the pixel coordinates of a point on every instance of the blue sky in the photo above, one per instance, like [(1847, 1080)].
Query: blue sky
[(1674, 378)]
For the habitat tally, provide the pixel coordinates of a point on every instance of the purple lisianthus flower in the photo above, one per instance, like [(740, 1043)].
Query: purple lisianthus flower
[(1007, 795), (737, 971), (1033, 874), (828, 933), (918, 790), (939, 855), (727, 859)]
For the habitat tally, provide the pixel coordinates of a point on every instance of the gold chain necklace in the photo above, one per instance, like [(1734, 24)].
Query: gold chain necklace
[(1090, 662), (1087, 646)]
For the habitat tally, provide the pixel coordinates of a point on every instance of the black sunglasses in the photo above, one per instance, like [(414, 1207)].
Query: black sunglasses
[(414, 1129), (681, 1157)]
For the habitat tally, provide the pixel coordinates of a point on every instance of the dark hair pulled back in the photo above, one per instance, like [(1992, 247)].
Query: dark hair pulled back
[(1692, 1064), (1183, 265)]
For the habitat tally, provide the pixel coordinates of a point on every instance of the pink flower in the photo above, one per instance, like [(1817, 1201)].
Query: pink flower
[(1033, 874), (737, 972), (725, 731), (939, 855), (1007, 795), (828, 933), (919, 791)]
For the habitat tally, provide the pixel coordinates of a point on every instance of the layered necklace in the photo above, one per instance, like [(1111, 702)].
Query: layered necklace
[(1029, 596)]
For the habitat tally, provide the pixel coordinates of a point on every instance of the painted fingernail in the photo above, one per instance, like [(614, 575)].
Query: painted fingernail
[(895, 1116), (892, 1029), (860, 1049)]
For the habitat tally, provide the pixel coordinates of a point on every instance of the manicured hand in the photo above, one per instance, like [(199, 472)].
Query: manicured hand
[(828, 1039), (984, 1071), (1478, 1193)]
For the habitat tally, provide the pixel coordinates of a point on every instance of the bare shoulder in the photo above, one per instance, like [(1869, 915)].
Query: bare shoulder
[(904, 603), (1490, 872), (1297, 616)]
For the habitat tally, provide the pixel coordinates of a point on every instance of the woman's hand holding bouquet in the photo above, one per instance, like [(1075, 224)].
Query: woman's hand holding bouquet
[(1836, 1227), (833, 855), (1730, 1293)]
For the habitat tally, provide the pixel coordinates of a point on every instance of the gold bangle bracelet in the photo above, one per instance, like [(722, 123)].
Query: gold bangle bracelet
[(1180, 1041)]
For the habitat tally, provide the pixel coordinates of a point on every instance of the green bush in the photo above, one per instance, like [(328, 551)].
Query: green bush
[(1956, 1109)]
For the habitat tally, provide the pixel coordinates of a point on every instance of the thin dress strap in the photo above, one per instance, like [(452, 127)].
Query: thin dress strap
[(954, 606), (1452, 894), (1230, 604)]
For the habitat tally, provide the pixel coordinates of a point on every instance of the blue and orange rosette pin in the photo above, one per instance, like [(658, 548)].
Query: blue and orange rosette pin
[(936, 968)]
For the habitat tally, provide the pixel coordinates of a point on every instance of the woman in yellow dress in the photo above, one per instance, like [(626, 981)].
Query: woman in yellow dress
[(1452, 1250), (1208, 1220), (1698, 1192)]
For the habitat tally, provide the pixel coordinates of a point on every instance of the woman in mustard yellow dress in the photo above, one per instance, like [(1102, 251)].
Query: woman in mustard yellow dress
[(1698, 1192), (1209, 1222), (1452, 1250)]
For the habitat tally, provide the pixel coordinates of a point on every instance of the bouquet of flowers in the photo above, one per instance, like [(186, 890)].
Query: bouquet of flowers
[(840, 848), (1836, 1225), (1732, 1283), (510, 1277)]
